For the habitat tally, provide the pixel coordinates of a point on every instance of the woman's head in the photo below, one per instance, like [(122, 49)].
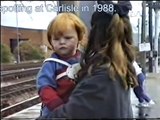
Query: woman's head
[(66, 28), (110, 43), (117, 20)]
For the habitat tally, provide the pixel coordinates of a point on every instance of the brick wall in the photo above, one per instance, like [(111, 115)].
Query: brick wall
[(37, 37)]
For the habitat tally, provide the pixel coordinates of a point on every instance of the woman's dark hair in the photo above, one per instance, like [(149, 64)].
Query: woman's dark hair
[(110, 44)]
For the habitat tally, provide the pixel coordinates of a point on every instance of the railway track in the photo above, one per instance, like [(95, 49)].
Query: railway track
[(17, 86), (18, 90), (19, 106), (18, 95), (17, 74), (24, 65)]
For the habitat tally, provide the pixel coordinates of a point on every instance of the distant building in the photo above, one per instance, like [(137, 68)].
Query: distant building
[(10, 36)]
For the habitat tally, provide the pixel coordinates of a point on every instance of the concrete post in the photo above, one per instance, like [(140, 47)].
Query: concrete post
[(156, 41), (143, 35), (150, 36)]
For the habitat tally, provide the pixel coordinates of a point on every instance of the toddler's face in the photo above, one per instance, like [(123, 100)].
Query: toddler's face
[(66, 44)]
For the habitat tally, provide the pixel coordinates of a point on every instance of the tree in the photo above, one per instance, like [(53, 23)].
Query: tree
[(29, 52), (6, 55)]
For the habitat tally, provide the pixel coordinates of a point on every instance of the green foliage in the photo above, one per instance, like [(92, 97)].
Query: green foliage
[(6, 55), (29, 52)]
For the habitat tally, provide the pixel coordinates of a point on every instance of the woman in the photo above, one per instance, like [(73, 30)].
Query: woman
[(107, 73), (143, 99)]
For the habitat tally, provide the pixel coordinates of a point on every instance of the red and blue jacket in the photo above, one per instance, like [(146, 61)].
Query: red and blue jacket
[(54, 92)]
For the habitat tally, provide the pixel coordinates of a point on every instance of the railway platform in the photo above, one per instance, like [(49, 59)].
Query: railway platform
[(152, 86)]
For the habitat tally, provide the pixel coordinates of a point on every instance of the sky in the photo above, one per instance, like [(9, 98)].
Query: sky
[(34, 14), (31, 15)]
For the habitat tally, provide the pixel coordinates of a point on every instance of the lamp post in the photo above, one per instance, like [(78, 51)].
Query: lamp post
[(154, 46), (18, 50), (143, 35), (156, 6), (156, 41), (150, 37), (138, 31)]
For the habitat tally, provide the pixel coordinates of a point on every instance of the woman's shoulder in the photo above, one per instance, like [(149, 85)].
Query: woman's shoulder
[(98, 75), (101, 77)]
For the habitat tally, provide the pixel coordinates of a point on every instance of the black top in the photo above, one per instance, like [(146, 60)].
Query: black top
[(97, 96)]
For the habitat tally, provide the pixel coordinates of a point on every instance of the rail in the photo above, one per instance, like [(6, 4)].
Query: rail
[(19, 73), (5, 67), (17, 85), (18, 91), (19, 106)]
